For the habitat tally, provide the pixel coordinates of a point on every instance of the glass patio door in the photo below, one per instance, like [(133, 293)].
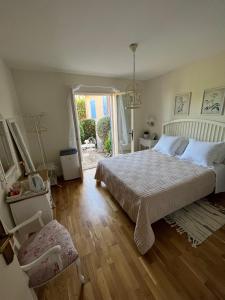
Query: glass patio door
[(124, 129)]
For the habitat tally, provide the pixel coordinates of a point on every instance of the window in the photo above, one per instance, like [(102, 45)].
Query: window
[(93, 109), (105, 105)]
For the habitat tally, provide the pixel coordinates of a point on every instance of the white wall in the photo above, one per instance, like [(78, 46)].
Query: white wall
[(160, 92), (13, 283), (9, 108), (47, 92)]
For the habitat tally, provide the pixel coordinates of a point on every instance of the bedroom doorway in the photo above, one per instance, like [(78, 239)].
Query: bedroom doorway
[(94, 113)]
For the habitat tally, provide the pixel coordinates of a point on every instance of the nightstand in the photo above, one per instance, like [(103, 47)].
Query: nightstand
[(146, 143)]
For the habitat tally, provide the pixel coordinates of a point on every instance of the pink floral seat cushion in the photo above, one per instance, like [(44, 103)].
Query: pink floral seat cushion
[(50, 235)]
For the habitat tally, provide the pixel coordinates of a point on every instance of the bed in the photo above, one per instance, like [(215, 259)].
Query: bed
[(149, 185)]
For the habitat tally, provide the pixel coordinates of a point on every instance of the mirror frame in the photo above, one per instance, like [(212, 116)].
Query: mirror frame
[(22, 147), (4, 175)]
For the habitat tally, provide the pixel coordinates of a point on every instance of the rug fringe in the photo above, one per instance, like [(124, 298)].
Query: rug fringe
[(198, 220)]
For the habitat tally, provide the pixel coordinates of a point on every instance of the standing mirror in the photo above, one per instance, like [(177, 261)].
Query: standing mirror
[(21, 145), (8, 162)]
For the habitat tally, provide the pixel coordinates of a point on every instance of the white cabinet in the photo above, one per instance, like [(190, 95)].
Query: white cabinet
[(28, 204), (70, 164)]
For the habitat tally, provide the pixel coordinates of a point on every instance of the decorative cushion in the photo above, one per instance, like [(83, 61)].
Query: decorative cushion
[(50, 235), (169, 144), (204, 153)]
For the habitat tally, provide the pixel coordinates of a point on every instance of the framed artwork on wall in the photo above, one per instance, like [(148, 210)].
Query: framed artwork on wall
[(182, 104), (213, 101)]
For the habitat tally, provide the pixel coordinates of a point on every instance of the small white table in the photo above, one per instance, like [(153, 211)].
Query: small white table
[(146, 143)]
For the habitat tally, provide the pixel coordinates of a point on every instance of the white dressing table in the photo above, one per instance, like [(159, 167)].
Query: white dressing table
[(28, 203)]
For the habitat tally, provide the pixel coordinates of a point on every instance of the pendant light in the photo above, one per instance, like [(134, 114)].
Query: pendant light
[(133, 96)]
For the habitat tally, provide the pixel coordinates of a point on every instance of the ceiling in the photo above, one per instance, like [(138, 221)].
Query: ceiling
[(92, 36)]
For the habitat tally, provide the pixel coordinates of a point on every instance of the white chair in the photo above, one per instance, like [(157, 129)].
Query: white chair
[(46, 253)]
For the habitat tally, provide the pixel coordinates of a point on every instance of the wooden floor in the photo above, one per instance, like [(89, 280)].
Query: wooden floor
[(103, 233)]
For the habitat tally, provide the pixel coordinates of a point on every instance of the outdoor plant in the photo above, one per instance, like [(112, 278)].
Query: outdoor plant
[(103, 128), (108, 143), (82, 133), (81, 108), (89, 129)]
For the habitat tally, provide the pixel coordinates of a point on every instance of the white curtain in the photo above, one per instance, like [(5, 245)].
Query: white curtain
[(122, 122), (71, 130)]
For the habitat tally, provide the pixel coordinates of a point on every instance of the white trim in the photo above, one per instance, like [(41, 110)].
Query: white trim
[(114, 125), (195, 120), (77, 131), (97, 89), (132, 129), (53, 252), (200, 129), (90, 94)]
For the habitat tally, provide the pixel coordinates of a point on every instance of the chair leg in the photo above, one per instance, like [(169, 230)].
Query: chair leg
[(81, 276)]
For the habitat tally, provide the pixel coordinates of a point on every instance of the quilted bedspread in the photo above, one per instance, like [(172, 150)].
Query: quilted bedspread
[(149, 185)]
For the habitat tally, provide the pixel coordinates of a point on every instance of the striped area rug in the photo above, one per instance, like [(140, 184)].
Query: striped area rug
[(198, 220)]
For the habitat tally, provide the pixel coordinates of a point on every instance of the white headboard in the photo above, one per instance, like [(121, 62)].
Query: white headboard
[(203, 130)]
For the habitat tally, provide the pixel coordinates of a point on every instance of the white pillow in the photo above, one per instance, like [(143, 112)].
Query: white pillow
[(204, 153), (168, 144)]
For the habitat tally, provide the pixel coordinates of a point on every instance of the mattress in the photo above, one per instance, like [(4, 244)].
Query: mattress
[(149, 185)]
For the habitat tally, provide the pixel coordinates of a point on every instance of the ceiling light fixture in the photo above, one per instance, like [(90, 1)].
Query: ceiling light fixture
[(133, 95)]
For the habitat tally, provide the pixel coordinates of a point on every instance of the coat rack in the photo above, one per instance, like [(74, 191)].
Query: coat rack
[(38, 129)]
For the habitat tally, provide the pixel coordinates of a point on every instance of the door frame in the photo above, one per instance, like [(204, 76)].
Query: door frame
[(77, 132), (76, 120)]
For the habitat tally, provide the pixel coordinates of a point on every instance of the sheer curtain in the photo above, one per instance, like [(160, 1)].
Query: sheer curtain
[(71, 130), (122, 123)]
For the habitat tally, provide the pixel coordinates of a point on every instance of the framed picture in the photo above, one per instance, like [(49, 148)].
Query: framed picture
[(213, 101), (182, 104)]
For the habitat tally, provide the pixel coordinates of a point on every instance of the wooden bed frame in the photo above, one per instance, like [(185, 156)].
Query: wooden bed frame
[(203, 130)]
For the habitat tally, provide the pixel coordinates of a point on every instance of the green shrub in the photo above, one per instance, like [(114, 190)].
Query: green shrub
[(82, 133), (108, 143), (89, 128), (103, 128), (81, 108)]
